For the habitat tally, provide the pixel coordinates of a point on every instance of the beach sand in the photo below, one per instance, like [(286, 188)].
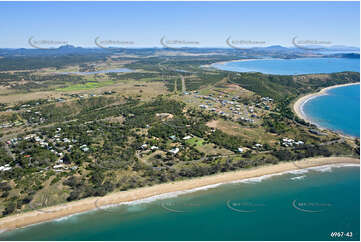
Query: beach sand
[(71, 208), (224, 62), (298, 105)]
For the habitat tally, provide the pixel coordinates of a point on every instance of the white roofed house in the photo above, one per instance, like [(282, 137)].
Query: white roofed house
[(174, 151), (84, 148), (5, 167), (58, 166), (299, 142), (144, 146)]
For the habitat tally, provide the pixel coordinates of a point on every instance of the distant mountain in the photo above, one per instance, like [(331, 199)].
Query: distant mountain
[(343, 48), (62, 50), (334, 48), (270, 51), (276, 47), (346, 55)]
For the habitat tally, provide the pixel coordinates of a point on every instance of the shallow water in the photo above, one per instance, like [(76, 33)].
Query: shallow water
[(338, 110), (292, 66), (301, 205)]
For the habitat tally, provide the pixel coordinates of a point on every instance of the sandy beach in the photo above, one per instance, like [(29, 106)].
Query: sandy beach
[(298, 105), (92, 203), (240, 60), (224, 62)]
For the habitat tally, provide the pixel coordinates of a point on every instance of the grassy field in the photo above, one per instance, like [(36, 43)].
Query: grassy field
[(85, 86), (195, 141), (258, 134)]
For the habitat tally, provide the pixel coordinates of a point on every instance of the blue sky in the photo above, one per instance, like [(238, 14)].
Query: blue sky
[(209, 23)]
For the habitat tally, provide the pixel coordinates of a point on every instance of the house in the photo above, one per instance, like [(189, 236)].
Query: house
[(174, 151), (58, 166), (257, 146), (240, 150), (84, 148), (187, 137), (290, 142), (5, 167), (66, 140), (299, 142)]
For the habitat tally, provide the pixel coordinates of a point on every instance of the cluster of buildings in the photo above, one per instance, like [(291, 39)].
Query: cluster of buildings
[(62, 145), (286, 142), (174, 150), (11, 124), (265, 103), (36, 118), (230, 108)]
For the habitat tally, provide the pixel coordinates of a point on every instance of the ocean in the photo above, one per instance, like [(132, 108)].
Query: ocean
[(292, 66), (338, 110), (320, 203)]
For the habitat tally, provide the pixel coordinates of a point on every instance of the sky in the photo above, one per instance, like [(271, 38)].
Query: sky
[(199, 24)]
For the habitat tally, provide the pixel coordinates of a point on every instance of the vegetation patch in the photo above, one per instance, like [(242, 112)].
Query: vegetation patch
[(86, 86), (195, 141)]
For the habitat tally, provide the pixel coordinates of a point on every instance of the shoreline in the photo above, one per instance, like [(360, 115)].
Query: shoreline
[(223, 62), (300, 102), (161, 191), (211, 66)]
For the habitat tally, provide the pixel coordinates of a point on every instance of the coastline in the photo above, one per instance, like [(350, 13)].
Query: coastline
[(242, 60), (224, 62), (161, 190), (300, 102)]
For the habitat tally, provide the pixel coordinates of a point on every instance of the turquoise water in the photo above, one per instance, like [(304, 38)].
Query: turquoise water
[(338, 110), (299, 206), (293, 66)]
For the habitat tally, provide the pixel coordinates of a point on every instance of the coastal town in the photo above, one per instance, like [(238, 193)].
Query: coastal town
[(73, 137), (180, 121), (92, 142)]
